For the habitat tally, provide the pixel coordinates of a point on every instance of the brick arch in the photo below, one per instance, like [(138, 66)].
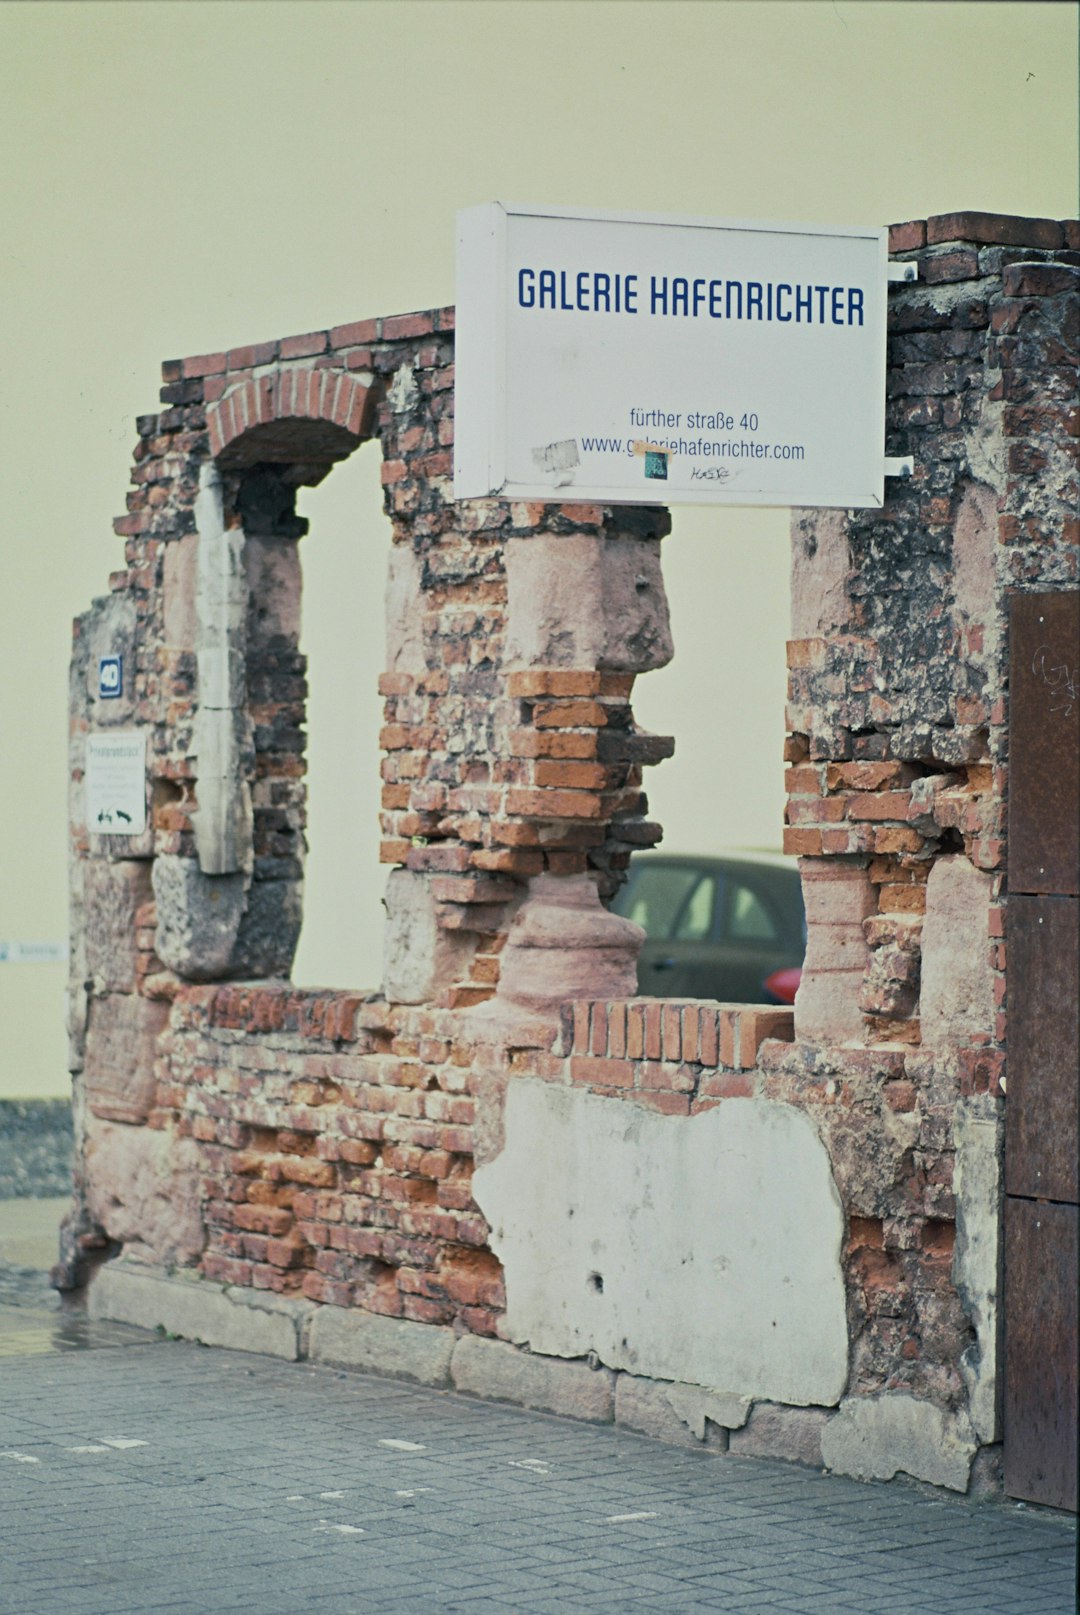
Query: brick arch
[(288, 414)]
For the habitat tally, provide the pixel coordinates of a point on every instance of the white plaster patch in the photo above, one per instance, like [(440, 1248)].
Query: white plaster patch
[(977, 1182), (705, 1250), (877, 1437)]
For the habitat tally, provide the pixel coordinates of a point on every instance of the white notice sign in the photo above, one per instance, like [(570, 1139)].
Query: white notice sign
[(116, 782), (631, 359)]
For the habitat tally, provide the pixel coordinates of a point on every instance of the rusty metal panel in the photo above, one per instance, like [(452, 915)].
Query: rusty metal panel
[(1041, 1352), (1044, 743), (1043, 1099)]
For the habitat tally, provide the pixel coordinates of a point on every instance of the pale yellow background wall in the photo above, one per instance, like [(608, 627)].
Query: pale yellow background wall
[(181, 177)]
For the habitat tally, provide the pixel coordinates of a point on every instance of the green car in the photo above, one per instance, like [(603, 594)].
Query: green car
[(730, 929)]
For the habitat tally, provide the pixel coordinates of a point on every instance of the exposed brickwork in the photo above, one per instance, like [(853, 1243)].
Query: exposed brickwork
[(336, 1133)]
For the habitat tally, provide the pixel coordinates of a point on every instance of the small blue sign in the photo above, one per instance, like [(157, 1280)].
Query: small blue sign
[(110, 677)]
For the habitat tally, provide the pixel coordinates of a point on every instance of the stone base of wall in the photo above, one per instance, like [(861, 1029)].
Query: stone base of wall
[(870, 1438)]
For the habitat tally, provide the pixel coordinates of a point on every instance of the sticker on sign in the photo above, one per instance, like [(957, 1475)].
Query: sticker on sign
[(598, 355), (116, 782)]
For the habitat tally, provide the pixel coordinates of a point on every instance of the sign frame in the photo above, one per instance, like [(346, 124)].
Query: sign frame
[(488, 460)]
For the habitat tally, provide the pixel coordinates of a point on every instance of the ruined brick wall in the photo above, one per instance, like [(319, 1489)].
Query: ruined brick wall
[(322, 1147)]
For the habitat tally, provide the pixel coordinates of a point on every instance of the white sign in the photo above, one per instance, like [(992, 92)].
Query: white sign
[(32, 953), (629, 359), (116, 782)]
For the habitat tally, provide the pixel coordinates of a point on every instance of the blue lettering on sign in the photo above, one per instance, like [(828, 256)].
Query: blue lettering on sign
[(600, 291), (110, 677)]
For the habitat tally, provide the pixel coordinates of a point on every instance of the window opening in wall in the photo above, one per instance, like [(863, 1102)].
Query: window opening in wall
[(344, 561), (721, 906)]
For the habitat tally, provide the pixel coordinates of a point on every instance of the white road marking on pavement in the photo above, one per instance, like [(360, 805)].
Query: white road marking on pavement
[(414, 1492), (627, 1519), (328, 1497), (20, 1457), (88, 1449), (120, 1444), (297, 1497), (404, 1446), (535, 1466), (342, 1530)]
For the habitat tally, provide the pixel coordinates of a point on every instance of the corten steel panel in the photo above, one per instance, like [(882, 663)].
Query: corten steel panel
[(1040, 1352), (1044, 743), (1043, 1101)]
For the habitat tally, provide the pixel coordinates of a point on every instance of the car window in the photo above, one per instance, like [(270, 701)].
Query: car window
[(748, 920), (695, 922), (654, 898)]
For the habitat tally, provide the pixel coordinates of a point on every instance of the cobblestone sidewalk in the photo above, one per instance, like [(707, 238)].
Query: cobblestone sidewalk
[(174, 1478)]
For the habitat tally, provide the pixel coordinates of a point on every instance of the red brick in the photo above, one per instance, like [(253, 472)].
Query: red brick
[(356, 334), (204, 364), (569, 715), (303, 346), (598, 1040), (671, 1032), (406, 325), (552, 804), (994, 229), (907, 237), (635, 1031), (653, 1039), (593, 1072), (729, 1030), (1039, 279), (755, 1025), (690, 1020), (616, 1014), (961, 264), (802, 843), (709, 1036), (879, 805), (533, 681), (258, 353)]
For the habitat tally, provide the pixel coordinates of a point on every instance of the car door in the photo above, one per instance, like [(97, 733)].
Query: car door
[(752, 940), (679, 906)]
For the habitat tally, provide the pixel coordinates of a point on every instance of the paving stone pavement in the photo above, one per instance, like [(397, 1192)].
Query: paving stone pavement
[(140, 1476)]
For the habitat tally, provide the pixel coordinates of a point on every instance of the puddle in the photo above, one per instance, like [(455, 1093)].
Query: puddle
[(26, 1332)]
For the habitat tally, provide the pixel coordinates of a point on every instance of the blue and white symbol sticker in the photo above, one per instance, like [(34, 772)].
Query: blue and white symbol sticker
[(110, 677)]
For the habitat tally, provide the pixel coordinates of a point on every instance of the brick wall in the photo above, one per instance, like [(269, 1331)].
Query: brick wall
[(323, 1145)]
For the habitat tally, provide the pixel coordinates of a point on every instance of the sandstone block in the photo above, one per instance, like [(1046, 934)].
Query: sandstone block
[(584, 600), (687, 1415), (198, 917), (643, 1405), (393, 1346), (144, 1190), (240, 1320), (404, 631), (957, 996), (121, 1047), (877, 1437), (775, 1431), (503, 1373), (564, 945), (420, 958), (181, 570), (112, 893), (820, 563)]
